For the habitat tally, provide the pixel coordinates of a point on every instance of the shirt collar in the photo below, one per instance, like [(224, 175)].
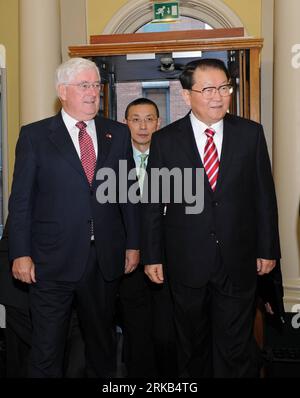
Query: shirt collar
[(201, 127), (70, 122), (136, 152)]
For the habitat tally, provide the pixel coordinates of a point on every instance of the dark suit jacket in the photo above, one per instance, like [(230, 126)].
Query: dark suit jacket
[(12, 292), (239, 219), (52, 203)]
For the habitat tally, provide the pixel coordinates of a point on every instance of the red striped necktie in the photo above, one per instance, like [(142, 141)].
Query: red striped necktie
[(211, 159)]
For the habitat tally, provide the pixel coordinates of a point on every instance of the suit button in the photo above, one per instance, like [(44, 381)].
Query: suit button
[(212, 234), (215, 203)]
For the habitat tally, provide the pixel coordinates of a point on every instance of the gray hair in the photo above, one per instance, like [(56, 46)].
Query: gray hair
[(69, 69)]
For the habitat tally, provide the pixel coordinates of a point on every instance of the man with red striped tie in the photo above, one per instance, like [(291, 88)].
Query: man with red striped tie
[(213, 257)]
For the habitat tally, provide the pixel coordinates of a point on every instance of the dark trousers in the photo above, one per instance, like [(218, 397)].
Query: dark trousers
[(147, 320), (136, 323), (164, 336), (214, 325), (51, 303), (18, 332), (74, 357)]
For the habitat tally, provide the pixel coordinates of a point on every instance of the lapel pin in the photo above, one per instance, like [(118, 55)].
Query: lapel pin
[(108, 135)]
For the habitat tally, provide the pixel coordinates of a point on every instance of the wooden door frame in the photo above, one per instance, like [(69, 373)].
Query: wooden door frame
[(197, 40)]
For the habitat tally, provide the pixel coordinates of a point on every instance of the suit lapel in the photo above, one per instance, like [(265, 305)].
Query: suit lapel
[(228, 147), (187, 141), (60, 137), (104, 138)]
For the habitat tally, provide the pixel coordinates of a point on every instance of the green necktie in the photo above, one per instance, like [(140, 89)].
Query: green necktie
[(143, 157)]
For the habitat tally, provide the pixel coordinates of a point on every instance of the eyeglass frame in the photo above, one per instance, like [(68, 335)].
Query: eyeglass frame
[(84, 86), (215, 89), (139, 120)]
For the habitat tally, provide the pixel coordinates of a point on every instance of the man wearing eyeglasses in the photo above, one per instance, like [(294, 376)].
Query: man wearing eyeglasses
[(62, 241), (213, 257), (147, 325)]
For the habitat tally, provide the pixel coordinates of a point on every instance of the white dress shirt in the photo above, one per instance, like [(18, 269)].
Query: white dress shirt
[(74, 131), (200, 136)]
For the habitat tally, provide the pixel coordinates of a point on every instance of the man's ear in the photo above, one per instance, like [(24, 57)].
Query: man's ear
[(158, 123), (124, 121), (62, 92), (186, 95)]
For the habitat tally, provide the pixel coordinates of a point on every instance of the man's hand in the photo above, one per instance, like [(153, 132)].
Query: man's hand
[(132, 260), (23, 269), (155, 273), (269, 308), (264, 266)]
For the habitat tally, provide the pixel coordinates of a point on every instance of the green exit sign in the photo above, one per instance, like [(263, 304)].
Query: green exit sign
[(166, 11)]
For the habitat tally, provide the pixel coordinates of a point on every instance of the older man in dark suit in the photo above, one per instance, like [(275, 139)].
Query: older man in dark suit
[(63, 242), (213, 257)]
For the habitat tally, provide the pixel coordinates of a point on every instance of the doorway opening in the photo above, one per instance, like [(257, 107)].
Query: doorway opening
[(154, 75)]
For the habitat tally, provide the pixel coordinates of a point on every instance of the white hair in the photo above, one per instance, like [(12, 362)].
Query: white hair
[(69, 69)]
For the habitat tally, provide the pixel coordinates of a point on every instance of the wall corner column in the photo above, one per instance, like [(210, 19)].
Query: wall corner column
[(40, 54), (286, 160)]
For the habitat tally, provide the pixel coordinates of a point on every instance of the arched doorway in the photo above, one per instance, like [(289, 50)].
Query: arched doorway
[(137, 13)]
